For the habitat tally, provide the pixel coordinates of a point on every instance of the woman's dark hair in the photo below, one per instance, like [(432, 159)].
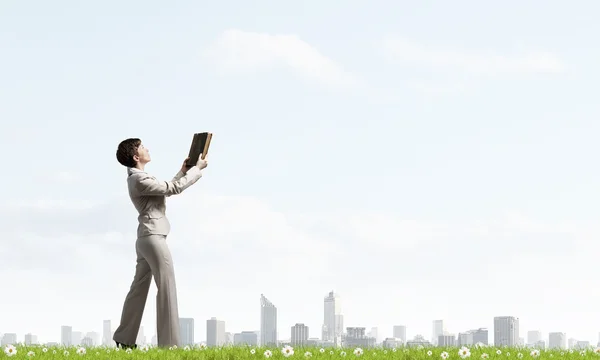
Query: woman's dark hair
[(126, 150)]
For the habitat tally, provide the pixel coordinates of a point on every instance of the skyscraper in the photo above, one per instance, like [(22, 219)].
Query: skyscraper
[(400, 333), (533, 337), (557, 340), (437, 330), (106, 333), (268, 322), (299, 335), (186, 331), (66, 335), (333, 320), (215, 332), (30, 339), (506, 331)]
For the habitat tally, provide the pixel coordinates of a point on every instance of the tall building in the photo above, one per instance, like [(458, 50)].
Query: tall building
[(9, 339), (437, 331), (572, 342), (30, 339), (333, 320), (557, 340), (215, 332), (66, 335), (446, 340), (106, 333), (533, 337), (268, 322), (506, 331), (186, 331), (76, 337), (400, 333), (480, 336), (299, 335), (472, 337), (374, 333)]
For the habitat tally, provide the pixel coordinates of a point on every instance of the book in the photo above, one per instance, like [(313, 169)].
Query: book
[(200, 145)]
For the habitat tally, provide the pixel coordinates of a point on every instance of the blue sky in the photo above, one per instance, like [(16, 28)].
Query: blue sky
[(409, 147)]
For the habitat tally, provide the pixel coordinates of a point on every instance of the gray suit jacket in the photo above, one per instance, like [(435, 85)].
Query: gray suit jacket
[(148, 195)]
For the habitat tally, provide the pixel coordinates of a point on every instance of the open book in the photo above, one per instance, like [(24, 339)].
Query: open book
[(200, 145)]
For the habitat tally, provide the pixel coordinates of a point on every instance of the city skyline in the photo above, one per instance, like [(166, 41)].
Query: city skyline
[(534, 338), (506, 331)]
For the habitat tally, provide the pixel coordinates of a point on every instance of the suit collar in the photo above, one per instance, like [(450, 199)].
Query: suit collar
[(131, 171)]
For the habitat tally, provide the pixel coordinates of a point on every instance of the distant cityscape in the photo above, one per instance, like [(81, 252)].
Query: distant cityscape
[(506, 333)]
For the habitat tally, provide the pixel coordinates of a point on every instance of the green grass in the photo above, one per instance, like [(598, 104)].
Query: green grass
[(257, 353)]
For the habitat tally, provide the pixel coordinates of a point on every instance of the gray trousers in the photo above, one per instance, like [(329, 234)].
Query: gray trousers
[(153, 259)]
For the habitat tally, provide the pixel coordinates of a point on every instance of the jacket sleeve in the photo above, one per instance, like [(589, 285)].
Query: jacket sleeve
[(178, 176), (149, 186)]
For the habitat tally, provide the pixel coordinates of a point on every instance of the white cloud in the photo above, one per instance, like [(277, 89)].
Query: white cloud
[(407, 52), (235, 50), (228, 250)]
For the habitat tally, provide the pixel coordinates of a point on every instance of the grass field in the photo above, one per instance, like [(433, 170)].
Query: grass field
[(230, 353)]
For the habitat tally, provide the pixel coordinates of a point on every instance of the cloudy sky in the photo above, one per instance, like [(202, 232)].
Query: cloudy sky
[(426, 161)]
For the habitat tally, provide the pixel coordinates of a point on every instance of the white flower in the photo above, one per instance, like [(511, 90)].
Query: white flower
[(287, 351), (479, 345), (186, 348), (268, 353), (81, 351), (54, 351), (444, 355), (358, 351), (498, 352), (30, 354), (343, 353), (429, 353), (145, 348), (66, 353), (519, 355), (170, 348), (44, 350), (582, 353), (322, 350), (507, 354), (385, 351), (10, 350), (394, 350), (307, 354), (128, 350), (252, 351), (331, 352), (202, 346), (484, 356), (535, 353), (464, 352), (571, 351)]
